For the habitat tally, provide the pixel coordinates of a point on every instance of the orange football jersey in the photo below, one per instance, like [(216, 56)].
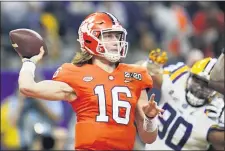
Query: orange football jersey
[(105, 104)]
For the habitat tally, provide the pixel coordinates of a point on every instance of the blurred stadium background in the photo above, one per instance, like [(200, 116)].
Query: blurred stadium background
[(188, 31)]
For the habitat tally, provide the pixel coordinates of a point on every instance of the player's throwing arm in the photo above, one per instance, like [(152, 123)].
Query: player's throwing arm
[(31, 48)]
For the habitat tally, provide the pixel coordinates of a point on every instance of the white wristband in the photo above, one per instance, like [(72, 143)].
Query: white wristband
[(150, 125), (28, 66)]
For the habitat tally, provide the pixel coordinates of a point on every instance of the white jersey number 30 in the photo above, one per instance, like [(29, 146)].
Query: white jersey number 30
[(178, 124)]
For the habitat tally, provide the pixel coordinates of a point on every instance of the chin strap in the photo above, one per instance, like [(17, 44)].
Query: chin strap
[(112, 58)]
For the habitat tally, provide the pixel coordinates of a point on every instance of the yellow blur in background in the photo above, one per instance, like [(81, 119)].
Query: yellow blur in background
[(9, 132)]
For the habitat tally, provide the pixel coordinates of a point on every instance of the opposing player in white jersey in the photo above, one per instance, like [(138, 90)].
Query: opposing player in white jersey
[(185, 124)]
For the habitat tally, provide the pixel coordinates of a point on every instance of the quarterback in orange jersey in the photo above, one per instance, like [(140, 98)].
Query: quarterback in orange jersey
[(107, 96)]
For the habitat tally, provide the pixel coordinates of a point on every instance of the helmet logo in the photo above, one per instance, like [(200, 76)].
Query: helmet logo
[(87, 24)]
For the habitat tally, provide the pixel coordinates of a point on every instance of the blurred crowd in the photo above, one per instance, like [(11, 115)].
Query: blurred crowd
[(176, 27), (188, 31)]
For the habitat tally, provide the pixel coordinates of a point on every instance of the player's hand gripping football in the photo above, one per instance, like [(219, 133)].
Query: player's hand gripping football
[(35, 59), (151, 109), (158, 57)]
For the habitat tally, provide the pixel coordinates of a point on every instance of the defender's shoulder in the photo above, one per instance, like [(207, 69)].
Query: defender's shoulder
[(176, 71)]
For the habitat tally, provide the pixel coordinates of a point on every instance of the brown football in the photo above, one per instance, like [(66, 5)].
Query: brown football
[(27, 42)]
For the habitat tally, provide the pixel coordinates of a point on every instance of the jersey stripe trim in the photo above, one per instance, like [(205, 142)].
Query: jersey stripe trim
[(178, 73), (179, 76), (178, 68)]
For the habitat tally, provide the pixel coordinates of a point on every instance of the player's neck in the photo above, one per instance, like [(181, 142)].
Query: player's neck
[(104, 64)]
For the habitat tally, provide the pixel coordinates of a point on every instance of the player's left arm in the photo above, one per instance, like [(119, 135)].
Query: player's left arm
[(216, 133), (145, 117), (216, 138)]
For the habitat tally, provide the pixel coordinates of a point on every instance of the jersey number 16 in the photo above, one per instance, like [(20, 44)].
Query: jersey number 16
[(116, 104)]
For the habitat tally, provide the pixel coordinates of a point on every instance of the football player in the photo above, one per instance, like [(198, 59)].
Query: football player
[(216, 79), (185, 98), (107, 96)]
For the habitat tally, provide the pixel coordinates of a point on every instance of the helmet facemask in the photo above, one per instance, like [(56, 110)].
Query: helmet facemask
[(112, 50), (197, 91)]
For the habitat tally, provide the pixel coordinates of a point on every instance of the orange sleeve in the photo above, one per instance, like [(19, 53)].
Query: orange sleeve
[(61, 74), (147, 80), (69, 75)]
